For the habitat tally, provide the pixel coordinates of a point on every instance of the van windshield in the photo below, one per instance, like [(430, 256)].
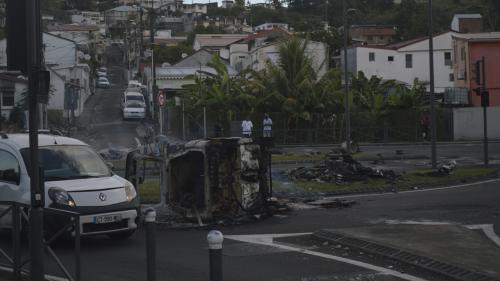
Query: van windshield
[(67, 162), (135, 98)]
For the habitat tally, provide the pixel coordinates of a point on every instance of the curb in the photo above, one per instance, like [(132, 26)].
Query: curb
[(385, 144), (448, 270), (389, 189)]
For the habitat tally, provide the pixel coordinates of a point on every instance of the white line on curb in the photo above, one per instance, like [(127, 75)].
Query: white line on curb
[(267, 240), (414, 191), (488, 230)]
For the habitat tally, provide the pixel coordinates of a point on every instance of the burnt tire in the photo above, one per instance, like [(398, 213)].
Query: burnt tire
[(122, 235)]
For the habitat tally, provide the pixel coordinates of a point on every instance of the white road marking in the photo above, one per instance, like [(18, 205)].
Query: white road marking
[(267, 240), (414, 191), (488, 230), (413, 222)]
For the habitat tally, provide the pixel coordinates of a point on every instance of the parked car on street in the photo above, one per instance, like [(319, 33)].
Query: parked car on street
[(133, 105), (103, 82), (76, 179)]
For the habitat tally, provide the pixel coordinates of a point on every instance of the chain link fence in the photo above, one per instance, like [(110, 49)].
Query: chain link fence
[(405, 125)]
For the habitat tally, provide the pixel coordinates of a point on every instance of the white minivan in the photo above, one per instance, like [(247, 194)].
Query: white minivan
[(133, 105), (76, 179)]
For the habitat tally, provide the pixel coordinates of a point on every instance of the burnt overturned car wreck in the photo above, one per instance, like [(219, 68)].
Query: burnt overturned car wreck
[(212, 179)]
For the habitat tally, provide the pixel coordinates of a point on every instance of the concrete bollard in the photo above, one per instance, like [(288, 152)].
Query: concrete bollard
[(150, 223), (215, 239)]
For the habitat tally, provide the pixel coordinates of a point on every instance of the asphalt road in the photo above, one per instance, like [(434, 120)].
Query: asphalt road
[(101, 122), (182, 254)]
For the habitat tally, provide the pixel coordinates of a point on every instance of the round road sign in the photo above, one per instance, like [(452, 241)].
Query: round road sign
[(161, 99)]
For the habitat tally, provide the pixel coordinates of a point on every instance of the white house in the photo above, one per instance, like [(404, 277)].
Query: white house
[(270, 26), (88, 17), (11, 90), (57, 50), (216, 42), (406, 61)]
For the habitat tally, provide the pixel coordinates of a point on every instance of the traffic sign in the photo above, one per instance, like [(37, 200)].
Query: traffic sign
[(161, 98)]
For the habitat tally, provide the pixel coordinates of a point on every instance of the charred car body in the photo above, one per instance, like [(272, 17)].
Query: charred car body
[(217, 178)]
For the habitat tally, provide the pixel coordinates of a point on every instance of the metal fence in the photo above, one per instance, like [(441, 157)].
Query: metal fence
[(403, 125), (20, 219)]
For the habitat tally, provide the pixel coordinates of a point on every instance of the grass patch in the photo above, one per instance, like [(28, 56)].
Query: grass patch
[(419, 178), (149, 190), (297, 157)]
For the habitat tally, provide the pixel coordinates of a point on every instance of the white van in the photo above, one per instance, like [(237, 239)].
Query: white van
[(76, 179), (133, 105)]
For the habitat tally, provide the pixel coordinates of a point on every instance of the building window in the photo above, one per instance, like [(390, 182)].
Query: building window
[(370, 38), (462, 53), (371, 56), (452, 77), (447, 58), (409, 61), (8, 98), (390, 58)]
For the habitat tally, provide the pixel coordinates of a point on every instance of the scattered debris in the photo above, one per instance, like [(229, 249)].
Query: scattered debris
[(339, 168), (447, 168), (332, 203)]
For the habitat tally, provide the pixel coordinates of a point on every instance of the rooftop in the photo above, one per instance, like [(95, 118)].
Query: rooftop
[(218, 40), (479, 37), (73, 27), (177, 72)]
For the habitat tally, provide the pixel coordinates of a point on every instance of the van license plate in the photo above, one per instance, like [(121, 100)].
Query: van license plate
[(107, 219)]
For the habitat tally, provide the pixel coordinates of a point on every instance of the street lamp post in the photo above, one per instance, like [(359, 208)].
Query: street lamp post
[(431, 89)]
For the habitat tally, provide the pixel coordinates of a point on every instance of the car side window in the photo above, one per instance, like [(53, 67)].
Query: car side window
[(9, 167)]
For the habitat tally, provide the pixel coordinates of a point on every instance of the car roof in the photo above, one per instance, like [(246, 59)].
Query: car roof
[(133, 94), (20, 141)]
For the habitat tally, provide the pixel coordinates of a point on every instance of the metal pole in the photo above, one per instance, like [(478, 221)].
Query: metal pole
[(34, 66), (346, 82), (142, 29), (78, 271), (432, 96), (161, 120), (215, 239), (204, 122), (150, 221), (16, 242), (183, 120), (485, 116)]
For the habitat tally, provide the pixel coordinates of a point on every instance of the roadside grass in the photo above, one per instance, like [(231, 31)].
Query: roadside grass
[(296, 157), (150, 190), (415, 178)]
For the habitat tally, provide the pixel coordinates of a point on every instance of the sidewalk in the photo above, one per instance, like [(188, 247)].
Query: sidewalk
[(452, 250)]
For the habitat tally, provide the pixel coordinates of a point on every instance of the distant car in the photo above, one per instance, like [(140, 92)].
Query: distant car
[(133, 105), (102, 72), (103, 83), (134, 110)]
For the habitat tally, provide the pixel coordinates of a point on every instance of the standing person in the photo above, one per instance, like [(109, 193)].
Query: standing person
[(425, 122), (267, 125), (246, 127)]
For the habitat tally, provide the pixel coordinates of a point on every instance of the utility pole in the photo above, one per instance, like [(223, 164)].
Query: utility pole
[(34, 56), (432, 96), (141, 13), (346, 82), (152, 23), (485, 100)]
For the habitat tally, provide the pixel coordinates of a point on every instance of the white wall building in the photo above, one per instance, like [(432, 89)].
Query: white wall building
[(406, 61), (88, 17), (270, 26)]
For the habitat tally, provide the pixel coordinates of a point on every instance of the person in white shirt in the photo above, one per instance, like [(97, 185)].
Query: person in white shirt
[(267, 126), (246, 127)]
